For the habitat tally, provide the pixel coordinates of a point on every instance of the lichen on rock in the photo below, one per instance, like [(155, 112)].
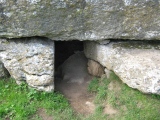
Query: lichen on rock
[(30, 60), (3, 71), (139, 68), (80, 19)]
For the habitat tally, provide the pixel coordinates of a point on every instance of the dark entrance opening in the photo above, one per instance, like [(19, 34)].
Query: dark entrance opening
[(71, 75), (64, 49)]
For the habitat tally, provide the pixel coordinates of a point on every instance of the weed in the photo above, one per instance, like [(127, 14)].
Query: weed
[(99, 86), (94, 85)]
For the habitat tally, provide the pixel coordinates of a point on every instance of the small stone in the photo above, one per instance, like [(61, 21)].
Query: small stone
[(95, 69), (107, 72)]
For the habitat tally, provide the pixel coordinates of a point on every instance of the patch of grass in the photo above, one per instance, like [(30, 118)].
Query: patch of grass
[(94, 85), (139, 106), (22, 102), (99, 86), (131, 104)]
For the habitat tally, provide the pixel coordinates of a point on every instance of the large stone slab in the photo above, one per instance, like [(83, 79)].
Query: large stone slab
[(80, 19), (136, 63), (30, 60)]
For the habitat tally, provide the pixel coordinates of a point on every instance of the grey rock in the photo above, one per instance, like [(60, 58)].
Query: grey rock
[(3, 72), (136, 63), (81, 19), (74, 69), (30, 60)]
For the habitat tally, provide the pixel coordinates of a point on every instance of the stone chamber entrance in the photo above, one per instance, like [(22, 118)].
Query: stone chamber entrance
[(64, 49), (71, 76)]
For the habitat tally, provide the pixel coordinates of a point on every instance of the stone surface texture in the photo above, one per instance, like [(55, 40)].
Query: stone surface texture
[(29, 59), (95, 69), (3, 71), (136, 63), (81, 19), (74, 69)]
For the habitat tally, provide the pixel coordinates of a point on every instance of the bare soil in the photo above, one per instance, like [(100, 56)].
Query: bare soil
[(80, 99), (44, 116), (76, 92)]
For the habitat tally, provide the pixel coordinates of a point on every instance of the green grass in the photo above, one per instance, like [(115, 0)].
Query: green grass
[(22, 103), (130, 104)]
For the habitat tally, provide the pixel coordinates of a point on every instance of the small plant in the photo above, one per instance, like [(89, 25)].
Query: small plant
[(99, 109), (99, 86), (32, 94), (101, 94), (93, 86)]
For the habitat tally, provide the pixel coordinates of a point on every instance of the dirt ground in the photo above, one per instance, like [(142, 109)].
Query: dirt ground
[(80, 99)]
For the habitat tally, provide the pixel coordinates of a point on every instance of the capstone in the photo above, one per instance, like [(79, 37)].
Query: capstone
[(81, 19)]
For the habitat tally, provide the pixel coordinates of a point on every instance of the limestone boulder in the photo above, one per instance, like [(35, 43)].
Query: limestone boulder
[(136, 63), (30, 60), (80, 19)]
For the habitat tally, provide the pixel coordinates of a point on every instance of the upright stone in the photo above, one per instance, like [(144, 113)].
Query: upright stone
[(30, 60), (136, 63)]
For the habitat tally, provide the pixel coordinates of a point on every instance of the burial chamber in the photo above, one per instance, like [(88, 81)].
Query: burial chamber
[(95, 22), (36, 60)]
